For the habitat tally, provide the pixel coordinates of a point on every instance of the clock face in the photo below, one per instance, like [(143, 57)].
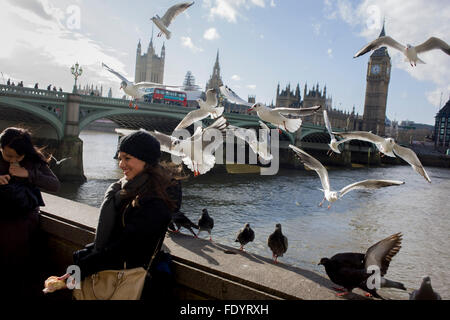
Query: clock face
[(375, 69)]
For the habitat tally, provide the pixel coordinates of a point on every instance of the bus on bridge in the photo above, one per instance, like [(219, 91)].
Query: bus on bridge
[(160, 95)]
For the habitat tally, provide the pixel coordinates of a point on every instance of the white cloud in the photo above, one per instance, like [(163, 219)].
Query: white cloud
[(259, 3), (272, 3), (251, 86), (187, 42), (40, 30), (235, 77), (439, 96), (230, 10), (411, 22), (211, 34)]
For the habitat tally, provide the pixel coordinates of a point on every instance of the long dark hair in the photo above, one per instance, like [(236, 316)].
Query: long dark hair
[(19, 140), (164, 183)]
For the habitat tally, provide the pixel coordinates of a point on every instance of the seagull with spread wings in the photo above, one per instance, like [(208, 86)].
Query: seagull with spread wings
[(353, 270), (232, 97), (275, 116), (196, 152), (138, 90), (312, 163), (164, 22), (409, 51), (207, 108), (261, 146), (334, 144), (388, 147)]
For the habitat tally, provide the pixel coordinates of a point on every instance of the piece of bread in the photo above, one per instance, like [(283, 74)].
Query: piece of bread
[(53, 283)]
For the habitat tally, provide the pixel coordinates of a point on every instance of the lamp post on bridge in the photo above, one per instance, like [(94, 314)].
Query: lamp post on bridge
[(76, 71)]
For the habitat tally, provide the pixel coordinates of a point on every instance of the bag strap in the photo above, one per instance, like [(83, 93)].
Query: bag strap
[(158, 247)]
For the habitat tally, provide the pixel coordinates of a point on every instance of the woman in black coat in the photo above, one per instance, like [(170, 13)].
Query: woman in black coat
[(136, 210), (23, 171)]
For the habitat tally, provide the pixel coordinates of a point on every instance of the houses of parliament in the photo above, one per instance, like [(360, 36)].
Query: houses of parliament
[(150, 67)]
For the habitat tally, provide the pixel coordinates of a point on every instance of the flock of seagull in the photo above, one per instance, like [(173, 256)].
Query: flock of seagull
[(349, 270)]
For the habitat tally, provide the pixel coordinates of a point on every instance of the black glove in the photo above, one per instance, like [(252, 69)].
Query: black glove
[(80, 254)]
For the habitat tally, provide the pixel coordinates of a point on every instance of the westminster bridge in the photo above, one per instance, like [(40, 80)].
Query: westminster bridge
[(57, 118)]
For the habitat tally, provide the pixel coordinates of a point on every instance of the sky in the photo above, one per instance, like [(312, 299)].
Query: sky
[(261, 43)]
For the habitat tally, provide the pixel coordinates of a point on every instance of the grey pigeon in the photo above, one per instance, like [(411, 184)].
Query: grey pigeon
[(205, 223), (245, 235), (180, 220), (352, 270), (277, 242), (425, 292)]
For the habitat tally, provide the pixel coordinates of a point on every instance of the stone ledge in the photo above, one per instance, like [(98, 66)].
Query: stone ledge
[(206, 270)]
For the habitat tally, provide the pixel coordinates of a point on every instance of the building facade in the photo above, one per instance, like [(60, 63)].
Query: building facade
[(287, 98), (215, 81), (377, 84), (149, 66), (89, 90), (442, 128)]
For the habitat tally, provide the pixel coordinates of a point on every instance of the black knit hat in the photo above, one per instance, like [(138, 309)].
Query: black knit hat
[(141, 145)]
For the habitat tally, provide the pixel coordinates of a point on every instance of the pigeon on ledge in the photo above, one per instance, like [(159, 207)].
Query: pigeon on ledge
[(352, 270), (205, 223), (278, 243), (245, 235)]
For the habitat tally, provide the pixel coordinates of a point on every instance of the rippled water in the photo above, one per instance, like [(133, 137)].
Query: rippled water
[(417, 209)]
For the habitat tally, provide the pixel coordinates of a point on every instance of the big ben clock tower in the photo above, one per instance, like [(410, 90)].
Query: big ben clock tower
[(378, 76)]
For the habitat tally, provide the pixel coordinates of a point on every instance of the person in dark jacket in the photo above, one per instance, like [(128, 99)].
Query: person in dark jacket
[(136, 209), (23, 171)]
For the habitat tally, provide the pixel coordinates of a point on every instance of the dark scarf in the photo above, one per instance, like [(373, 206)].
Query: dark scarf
[(118, 196)]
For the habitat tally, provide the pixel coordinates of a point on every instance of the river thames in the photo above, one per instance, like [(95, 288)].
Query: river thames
[(361, 218)]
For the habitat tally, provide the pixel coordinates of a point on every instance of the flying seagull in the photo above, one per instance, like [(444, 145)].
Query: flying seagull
[(352, 270), (232, 97), (331, 196), (206, 223), (164, 22), (199, 153), (278, 243), (138, 90), (275, 116), (388, 147), (58, 162), (261, 146), (425, 292), (207, 108), (409, 51), (196, 152), (334, 144)]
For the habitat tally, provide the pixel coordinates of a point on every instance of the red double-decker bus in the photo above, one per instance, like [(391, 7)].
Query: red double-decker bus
[(160, 95)]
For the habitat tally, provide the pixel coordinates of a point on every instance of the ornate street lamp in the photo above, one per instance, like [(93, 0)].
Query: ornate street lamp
[(76, 71)]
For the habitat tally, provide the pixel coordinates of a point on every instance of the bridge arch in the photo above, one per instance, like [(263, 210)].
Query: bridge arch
[(37, 112), (317, 137), (111, 113)]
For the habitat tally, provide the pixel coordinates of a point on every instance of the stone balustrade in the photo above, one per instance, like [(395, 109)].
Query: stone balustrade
[(203, 269)]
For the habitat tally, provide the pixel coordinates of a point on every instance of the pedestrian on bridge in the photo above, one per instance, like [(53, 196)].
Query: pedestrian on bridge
[(23, 171)]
